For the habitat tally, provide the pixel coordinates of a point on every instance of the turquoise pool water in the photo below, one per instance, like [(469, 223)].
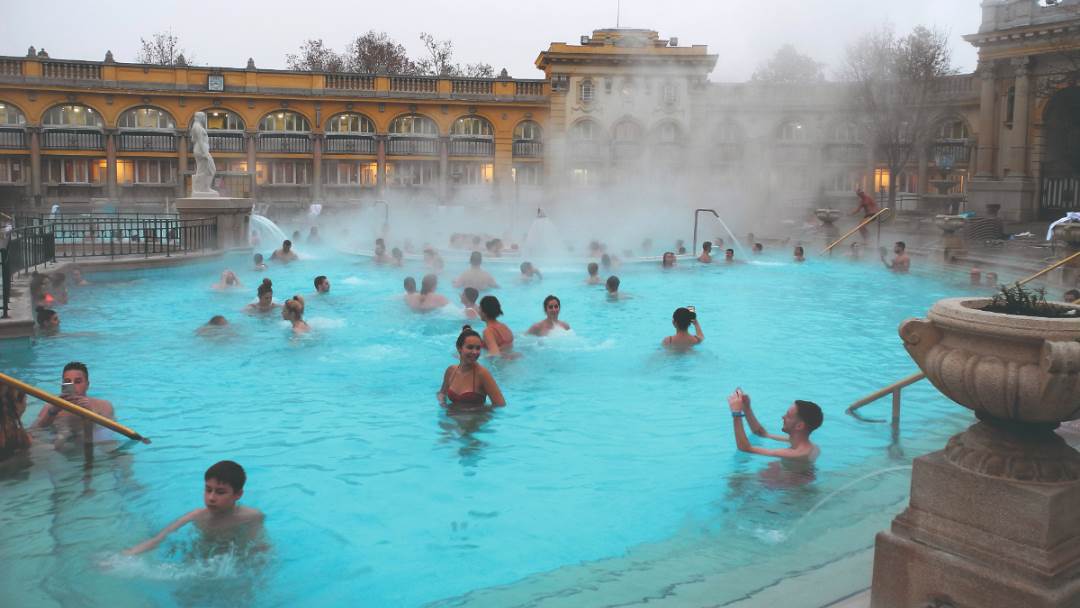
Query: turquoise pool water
[(612, 468)]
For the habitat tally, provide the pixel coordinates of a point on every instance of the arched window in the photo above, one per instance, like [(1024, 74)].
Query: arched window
[(528, 130), (627, 131), (669, 93), (10, 116), (350, 123), (72, 115), (471, 126), (284, 120), (668, 133), (953, 129), (845, 133), (585, 130), (587, 91), (146, 118), (414, 125), (792, 131), (728, 133), (223, 120)]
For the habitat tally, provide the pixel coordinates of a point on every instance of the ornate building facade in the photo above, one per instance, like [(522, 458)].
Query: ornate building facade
[(622, 105)]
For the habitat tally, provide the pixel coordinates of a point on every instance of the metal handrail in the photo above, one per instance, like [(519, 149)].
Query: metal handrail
[(1049, 268), (893, 388), (81, 412), (696, 212), (853, 230)]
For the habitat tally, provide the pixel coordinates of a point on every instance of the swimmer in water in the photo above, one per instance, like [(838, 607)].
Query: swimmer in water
[(799, 254), (293, 312), (758, 249), (410, 290), (427, 299), (528, 272), (322, 284), (397, 259), (612, 286), (433, 261), (468, 384), (285, 254), (265, 302), (801, 419), (228, 280), (476, 276), (468, 299), (594, 274), (682, 319), (220, 518), (552, 306), (498, 338), (216, 324), (48, 321), (669, 260), (706, 253), (258, 260)]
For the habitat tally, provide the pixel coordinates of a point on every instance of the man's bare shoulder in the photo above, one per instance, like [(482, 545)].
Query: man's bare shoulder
[(102, 407)]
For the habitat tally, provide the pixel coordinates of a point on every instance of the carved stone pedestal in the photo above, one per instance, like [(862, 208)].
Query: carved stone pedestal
[(233, 216), (993, 522), (953, 239), (828, 219)]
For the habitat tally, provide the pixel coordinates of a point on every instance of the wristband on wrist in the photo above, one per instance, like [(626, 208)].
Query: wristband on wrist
[(738, 414)]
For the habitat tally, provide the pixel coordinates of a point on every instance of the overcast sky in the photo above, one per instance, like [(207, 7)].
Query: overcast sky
[(504, 33)]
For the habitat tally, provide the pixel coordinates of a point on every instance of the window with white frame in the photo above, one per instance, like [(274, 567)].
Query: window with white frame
[(223, 120), (669, 93), (582, 176), (953, 129), (414, 125), (148, 171), (11, 170), (586, 91), (10, 116), (471, 126), (282, 172), (72, 115), (472, 174), (350, 123), (74, 170), (844, 181), (146, 118), (527, 130), (284, 121), (845, 133), (668, 133), (527, 174), (350, 173), (792, 131), (627, 131), (412, 173), (584, 130)]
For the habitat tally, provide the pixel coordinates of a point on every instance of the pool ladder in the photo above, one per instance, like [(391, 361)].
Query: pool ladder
[(855, 229)]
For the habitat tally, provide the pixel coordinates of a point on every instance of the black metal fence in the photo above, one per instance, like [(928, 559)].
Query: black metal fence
[(24, 250), (125, 235)]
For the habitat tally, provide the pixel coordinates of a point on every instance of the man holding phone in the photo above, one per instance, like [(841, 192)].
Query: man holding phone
[(801, 419), (75, 381)]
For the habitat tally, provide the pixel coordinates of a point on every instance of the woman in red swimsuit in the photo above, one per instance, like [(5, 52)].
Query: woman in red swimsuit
[(468, 384), (498, 338)]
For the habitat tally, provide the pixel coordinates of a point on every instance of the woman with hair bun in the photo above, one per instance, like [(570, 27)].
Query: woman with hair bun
[(468, 385), (293, 312), (498, 338), (266, 298)]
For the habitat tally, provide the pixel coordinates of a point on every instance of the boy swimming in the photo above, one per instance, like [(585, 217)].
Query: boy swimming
[(221, 518)]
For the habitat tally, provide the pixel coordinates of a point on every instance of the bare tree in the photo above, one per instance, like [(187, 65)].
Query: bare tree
[(440, 61), (893, 81), (315, 56), (789, 66), (376, 52), (163, 48)]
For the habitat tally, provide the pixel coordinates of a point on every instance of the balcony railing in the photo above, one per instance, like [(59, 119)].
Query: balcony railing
[(960, 151), (529, 89), (955, 86), (528, 149), (845, 153), (72, 139), (472, 147), (350, 144), (12, 138), (461, 86), (10, 67), (588, 150), (225, 142), (413, 84), (297, 143), (412, 146), (67, 70), (350, 82), (147, 142)]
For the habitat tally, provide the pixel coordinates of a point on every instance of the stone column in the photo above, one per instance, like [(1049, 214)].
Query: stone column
[(35, 165), (1018, 142), (110, 166), (181, 163), (251, 143), (444, 168), (380, 165), (316, 169), (987, 124)]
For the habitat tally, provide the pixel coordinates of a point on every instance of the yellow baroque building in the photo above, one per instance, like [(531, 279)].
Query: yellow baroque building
[(621, 107)]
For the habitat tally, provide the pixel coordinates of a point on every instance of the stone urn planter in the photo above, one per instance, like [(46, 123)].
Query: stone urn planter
[(828, 219), (992, 518), (1069, 233), (953, 244)]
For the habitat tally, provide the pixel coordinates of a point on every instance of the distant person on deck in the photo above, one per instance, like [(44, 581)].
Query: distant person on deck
[(901, 262), (476, 277), (868, 206), (801, 419)]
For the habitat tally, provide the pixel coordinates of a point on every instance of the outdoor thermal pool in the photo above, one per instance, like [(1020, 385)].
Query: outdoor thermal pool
[(612, 469)]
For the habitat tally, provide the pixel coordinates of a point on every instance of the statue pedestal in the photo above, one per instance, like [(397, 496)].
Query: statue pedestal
[(953, 240), (982, 538), (233, 217)]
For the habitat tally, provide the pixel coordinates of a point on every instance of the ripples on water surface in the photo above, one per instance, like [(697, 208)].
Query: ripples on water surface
[(613, 468)]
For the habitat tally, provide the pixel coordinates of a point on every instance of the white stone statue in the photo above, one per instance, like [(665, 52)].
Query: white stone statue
[(205, 169)]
